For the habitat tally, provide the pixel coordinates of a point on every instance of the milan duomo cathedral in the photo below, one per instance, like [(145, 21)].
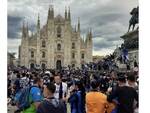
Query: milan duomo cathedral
[(55, 45)]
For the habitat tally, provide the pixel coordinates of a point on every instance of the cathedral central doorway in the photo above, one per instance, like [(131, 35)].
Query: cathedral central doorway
[(43, 66), (31, 65), (58, 65)]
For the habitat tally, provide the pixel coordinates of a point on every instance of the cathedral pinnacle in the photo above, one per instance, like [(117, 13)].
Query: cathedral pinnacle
[(38, 22), (69, 15), (27, 30), (90, 34), (65, 13), (51, 12), (78, 24)]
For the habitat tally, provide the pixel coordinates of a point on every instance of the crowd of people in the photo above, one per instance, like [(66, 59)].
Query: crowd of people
[(73, 90)]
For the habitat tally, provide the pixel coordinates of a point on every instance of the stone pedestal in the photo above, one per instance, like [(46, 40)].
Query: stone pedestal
[(131, 40)]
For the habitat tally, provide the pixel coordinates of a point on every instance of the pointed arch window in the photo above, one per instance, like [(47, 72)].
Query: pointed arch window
[(32, 54), (82, 55), (59, 31), (73, 45), (73, 55), (43, 43), (58, 47), (43, 54), (73, 65)]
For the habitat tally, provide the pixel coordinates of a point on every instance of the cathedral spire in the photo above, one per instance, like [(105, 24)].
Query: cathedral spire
[(27, 29), (38, 21), (90, 34), (69, 15), (65, 13), (50, 12), (75, 28), (78, 24), (38, 24), (48, 17), (23, 29)]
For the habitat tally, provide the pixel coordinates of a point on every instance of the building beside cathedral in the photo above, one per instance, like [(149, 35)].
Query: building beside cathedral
[(57, 44)]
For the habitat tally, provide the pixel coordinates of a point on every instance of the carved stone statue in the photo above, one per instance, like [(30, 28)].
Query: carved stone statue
[(134, 19)]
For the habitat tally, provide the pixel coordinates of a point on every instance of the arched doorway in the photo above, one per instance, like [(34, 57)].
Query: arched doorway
[(58, 64), (31, 65), (43, 66), (73, 65)]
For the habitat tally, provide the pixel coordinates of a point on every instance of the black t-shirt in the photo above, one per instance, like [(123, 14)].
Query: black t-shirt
[(51, 105), (125, 96)]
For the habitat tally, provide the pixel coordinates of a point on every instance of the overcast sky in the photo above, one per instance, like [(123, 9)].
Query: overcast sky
[(108, 19)]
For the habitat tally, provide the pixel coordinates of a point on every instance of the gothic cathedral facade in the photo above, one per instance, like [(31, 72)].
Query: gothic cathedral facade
[(57, 44)]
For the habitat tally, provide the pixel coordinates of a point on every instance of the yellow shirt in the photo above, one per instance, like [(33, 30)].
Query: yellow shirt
[(96, 102)]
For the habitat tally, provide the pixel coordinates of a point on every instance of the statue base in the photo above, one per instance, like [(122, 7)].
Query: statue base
[(131, 40)]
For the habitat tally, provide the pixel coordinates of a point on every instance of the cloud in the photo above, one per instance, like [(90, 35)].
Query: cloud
[(107, 18), (13, 45), (101, 43), (14, 26)]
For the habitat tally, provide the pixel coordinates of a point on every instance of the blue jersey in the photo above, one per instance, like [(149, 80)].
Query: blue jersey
[(77, 104), (36, 94)]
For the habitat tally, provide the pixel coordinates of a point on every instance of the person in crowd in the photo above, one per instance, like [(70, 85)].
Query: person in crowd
[(136, 69), (35, 96), (61, 89), (131, 80), (17, 83), (9, 87), (77, 98), (132, 83), (31, 80), (125, 96), (112, 82), (23, 81), (50, 104), (96, 102)]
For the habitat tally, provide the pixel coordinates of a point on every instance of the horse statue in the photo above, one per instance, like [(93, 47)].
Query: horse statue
[(134, 19)]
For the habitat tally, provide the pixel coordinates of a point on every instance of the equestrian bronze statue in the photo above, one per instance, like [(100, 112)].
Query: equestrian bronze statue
[(134, 19)]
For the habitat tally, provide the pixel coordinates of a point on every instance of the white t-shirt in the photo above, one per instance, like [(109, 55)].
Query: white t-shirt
[(64, 88)]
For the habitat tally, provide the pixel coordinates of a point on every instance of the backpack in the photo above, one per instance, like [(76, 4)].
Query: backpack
[(54, 105), (22, 98)]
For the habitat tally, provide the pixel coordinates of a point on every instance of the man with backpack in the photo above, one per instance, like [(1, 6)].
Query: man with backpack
[(50, 104), (29, 98)]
